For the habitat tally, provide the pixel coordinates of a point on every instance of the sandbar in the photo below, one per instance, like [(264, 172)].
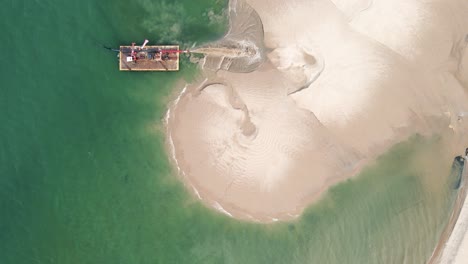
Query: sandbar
[(318, 90)]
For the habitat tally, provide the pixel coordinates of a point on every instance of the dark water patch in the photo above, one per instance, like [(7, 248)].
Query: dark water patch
[(456, 172)]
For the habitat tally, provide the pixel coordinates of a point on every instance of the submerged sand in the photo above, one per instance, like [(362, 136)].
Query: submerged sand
[(311, 92)]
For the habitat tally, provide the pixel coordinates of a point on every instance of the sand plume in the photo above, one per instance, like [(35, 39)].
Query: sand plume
[(241, 49)]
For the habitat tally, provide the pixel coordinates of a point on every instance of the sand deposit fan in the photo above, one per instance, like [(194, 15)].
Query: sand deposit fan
[(241, 50)]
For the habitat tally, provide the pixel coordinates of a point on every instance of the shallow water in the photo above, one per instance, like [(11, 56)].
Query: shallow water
[(84, 177)]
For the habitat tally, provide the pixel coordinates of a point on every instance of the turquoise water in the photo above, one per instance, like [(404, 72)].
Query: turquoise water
[(84, 177)]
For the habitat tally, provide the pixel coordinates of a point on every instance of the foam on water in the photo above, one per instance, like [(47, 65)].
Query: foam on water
[(218, 207), (166, 121)]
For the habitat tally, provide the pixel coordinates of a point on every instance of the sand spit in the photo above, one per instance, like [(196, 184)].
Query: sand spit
[(301, 94), (456, 251), (453, 241)]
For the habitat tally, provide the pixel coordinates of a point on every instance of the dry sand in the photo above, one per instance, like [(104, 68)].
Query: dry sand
[(332, 86)]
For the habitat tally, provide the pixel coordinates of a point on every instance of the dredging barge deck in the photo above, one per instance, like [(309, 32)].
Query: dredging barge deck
[(149, 58)]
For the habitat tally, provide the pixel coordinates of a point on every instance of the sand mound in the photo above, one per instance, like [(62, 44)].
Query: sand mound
[(257, 150), (298, 65), (331, 90)]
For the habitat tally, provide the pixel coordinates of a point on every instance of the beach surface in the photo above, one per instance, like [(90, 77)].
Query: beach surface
[(327, 86)]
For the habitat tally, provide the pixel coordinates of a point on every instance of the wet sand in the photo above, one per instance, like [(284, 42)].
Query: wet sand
[(333, 85), (450, 248)]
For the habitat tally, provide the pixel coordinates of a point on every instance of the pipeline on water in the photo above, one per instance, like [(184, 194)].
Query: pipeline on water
[(242, 48), (111, 49)]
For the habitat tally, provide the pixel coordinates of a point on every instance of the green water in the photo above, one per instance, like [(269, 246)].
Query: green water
[(84, 177)]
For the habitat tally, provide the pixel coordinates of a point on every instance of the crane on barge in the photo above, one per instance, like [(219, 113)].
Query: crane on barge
[(149, 58), (133, 48)]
